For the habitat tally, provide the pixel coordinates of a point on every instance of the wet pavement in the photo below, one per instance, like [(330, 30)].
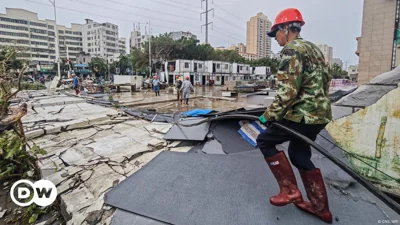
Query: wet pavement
[(202, 97)]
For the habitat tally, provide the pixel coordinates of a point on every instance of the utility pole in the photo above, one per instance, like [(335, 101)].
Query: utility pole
[(207, 23), (150, 49), (56, 31)]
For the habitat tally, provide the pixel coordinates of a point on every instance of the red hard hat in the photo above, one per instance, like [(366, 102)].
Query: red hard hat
[(155, 77), (286, 16), (187, 78)]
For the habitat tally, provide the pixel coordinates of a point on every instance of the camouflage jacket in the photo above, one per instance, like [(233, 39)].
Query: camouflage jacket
[(303, 85)]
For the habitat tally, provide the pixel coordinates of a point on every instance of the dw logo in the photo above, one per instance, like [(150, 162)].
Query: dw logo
[(44, 193)]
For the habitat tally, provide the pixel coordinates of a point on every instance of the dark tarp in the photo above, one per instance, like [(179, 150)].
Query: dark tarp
[(340, 94), (181, 188), (369, 94)]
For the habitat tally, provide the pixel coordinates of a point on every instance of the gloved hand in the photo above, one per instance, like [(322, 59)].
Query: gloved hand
[(262, 119)]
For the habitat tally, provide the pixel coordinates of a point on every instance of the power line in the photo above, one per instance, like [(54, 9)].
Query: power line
[(207, 23), (118, 19), (145, 16), (150, 10), (181, 3), (228, 22), (233, 15), (227, 34), (175, 6)]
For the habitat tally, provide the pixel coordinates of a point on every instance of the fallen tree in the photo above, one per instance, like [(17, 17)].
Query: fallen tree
[(17, 157)]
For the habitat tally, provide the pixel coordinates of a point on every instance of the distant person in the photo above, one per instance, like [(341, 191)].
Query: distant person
[(76, 84), (42, 80), (178, 85), (156, 85), (185, 89), (302, 104)]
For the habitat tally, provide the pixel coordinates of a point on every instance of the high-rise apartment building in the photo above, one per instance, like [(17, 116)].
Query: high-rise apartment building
[(328, 53), (23, 28), (377, 48), (338, 61), (137, 39), (122, 45), (100, 39), (257, 40), (241, 48)]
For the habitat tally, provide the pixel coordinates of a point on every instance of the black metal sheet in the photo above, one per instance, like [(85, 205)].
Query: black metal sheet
[(181, 188)]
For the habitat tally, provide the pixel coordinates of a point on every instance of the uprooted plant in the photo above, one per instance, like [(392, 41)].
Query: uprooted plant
[(18, 155)]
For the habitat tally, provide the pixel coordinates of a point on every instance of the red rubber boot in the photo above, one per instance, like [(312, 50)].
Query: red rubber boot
[(282, 170), (316, 193)]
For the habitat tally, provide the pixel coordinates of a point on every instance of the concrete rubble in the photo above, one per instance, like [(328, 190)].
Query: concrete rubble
[(90, 149)]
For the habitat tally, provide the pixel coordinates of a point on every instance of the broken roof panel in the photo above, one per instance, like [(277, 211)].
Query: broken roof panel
[(365, 95), (195, 133), (227, 189), (388, 78), (370, 93)]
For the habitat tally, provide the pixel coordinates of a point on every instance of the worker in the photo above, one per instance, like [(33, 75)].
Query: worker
[(156, 85), (302, 104), (185, 89), (76, 84), (178, 85)]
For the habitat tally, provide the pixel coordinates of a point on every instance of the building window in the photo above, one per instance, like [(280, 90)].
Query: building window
[(226, 66), (13, 20), (241, 68), (13, 27), (186, 65), (218, 66), (89, 26), (38, 24), (200, 66), (217, 78)]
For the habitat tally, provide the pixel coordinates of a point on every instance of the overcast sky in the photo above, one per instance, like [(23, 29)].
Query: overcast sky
[(336, 23)]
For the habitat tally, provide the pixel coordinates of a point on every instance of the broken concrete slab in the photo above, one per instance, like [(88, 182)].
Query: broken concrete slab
[(76, 200), (158, 127), (78, 155), (2, 212), (57, 177), (117, 147), (72, 170), (50, 165), (195, 133), (106, 175)]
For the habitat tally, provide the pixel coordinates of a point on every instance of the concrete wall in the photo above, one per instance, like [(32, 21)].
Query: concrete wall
[(376, 44)]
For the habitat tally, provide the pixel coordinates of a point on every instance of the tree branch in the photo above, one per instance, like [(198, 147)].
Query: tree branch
[(19, 84)]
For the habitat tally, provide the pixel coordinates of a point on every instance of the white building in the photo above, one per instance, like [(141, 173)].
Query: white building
[(203, 72), (353, 72), (137, 39), (23, 28), (248, 56), (220, 48), (100, 39), (328, 53), (122, 45), (177, 35), (337, 61)]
